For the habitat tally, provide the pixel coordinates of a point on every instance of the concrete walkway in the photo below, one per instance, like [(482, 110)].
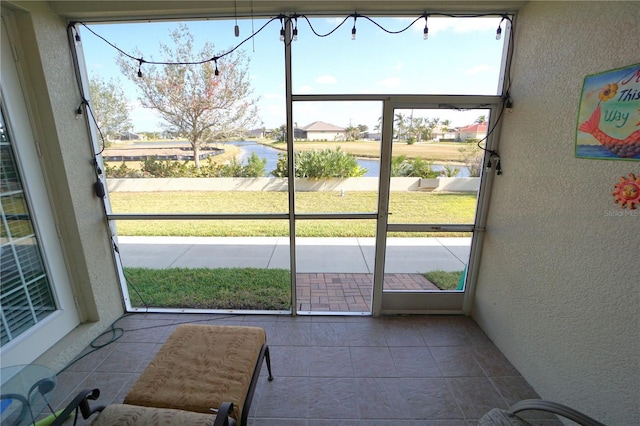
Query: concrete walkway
[(332, 275), (313, 255)]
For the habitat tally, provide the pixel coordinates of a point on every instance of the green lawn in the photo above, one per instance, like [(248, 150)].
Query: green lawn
[(440, 152), (405, 207), (264, 289), (201, 288), (444, 280)]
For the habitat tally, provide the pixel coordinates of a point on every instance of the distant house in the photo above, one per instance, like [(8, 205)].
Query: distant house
[(374, 136), (256, 133), (128, 136), (440, 132), (321, 131), (473, 131)]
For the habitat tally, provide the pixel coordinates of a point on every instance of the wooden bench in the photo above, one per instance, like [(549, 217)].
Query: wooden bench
[(202, 366)]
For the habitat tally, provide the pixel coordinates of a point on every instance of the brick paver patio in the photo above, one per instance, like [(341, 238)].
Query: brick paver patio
[(334, 292)]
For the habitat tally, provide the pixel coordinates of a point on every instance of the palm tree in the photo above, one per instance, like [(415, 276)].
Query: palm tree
[(400, 122), (433, 123), (353, 133), (480, 119), (378, 126), (420, 128)]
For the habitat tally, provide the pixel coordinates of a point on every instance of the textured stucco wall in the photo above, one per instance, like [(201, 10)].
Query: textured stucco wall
[(559, 282), (67, 157)]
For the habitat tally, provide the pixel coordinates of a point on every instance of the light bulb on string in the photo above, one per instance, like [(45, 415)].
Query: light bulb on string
[(295, 30), (216, 72), (425, 32), (499, 30), (353, 30), (282, 33), (140, 68), (236, 29)]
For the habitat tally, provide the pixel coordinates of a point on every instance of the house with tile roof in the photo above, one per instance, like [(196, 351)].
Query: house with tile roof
[(321, 131), (473, 131)]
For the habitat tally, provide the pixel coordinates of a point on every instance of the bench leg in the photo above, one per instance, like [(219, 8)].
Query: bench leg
[(267, 357)]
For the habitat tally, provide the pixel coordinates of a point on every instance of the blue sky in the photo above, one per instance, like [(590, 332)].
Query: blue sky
[(461, 56)]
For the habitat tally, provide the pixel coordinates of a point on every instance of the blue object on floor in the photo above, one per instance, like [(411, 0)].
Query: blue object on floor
[(462, 279), (5, 404)]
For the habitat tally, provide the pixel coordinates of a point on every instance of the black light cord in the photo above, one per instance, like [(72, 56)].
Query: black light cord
[(117, 332), (142, 61), (282, 18)]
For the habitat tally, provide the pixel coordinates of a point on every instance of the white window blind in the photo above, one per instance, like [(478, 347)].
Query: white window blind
[(25, 292)]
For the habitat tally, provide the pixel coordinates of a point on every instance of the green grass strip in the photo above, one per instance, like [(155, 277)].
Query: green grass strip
[(444, 280), (203, 288), (405, 207)]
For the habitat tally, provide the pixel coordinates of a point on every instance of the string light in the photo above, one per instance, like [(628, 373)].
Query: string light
[(425, 32), (295, 29), (236, 29), (499, 30), (294, 34), (282, 30), (353, 30), (507, 104)]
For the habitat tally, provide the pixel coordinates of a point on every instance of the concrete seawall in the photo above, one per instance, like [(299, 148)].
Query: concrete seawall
[(280, 184)]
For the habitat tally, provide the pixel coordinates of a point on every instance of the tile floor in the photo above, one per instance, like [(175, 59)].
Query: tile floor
[(334, 370)]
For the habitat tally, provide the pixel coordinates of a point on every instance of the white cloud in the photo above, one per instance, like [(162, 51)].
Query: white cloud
[(390, 82), (399, 65), (326, 79), (304, 89), (478, 69)]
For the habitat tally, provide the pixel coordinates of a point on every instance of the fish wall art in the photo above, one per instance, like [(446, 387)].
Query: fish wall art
[(609, 115)]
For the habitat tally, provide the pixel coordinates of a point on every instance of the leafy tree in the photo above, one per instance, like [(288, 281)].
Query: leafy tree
[(353, 133), (194, 102), (445, 125), (399, 166), (480, 119), (416, 167), (328, 163), (279, 133), (472, 156), (109, 106)]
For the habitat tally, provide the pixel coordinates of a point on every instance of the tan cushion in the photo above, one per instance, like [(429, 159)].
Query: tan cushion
[(199, 367), (122, 414)]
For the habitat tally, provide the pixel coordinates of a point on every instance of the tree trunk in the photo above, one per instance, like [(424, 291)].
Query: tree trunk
[(196, 155)]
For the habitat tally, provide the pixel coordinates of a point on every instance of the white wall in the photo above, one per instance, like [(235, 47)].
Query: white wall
[(559, 282), (469, 184)]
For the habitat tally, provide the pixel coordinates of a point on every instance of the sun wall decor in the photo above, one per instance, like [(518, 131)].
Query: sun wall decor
[(609, 115), (627, 192)]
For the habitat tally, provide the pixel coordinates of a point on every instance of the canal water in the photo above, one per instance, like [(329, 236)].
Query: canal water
[(271, 155)]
